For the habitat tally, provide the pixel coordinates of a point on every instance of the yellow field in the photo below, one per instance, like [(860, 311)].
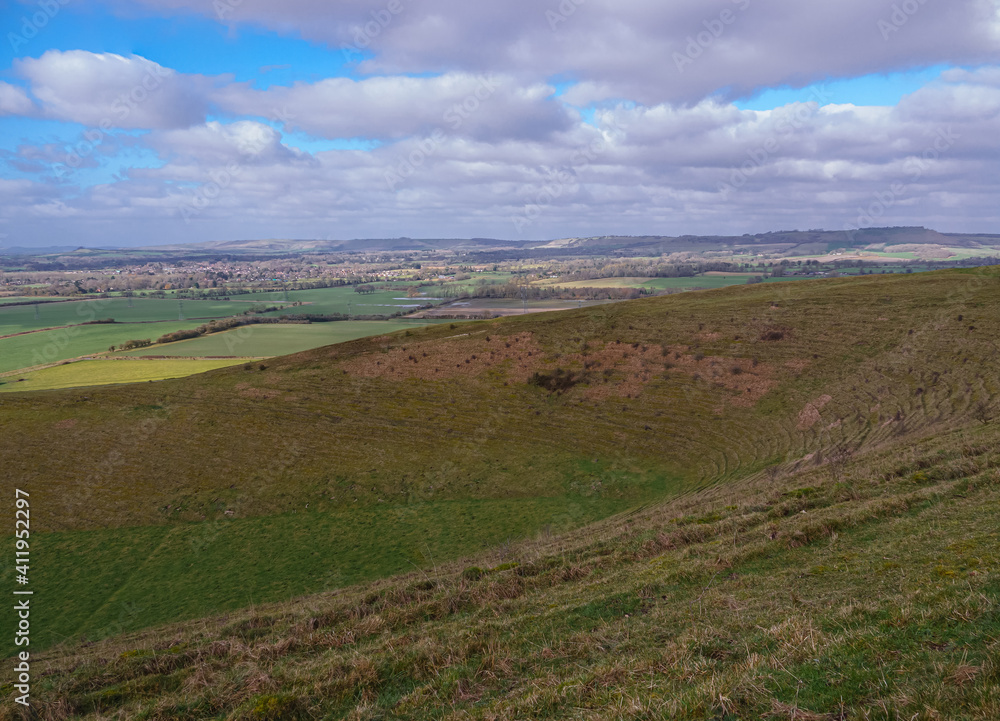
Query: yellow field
[(105, 372)]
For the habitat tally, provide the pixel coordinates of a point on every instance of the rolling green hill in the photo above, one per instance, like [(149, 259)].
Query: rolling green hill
[(866, 592), (787, 432)]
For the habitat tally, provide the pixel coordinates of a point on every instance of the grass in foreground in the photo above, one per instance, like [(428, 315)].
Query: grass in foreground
[(858, 592), (104, 583), (104, 372)]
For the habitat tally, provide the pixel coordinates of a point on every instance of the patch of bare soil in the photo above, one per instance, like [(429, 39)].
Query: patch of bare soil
[(464, 357), (810, 416), (606, 370)]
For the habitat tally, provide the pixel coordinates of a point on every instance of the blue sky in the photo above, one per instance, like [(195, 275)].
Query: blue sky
[(186, 43), (450, 119), (876, 89)]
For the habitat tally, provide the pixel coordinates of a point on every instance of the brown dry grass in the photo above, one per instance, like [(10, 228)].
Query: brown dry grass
[(810, 415)]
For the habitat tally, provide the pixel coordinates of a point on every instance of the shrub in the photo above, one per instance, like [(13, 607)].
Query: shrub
[(473, 573), (275, 707), (558, 381)]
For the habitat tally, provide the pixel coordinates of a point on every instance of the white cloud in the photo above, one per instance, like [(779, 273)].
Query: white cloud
[(479, 106), (472, 139), (643, 50), (709, 168), (111, 91), (215, 143), (14, 101)]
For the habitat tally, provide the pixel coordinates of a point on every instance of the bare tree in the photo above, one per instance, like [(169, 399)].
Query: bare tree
[(838, 457)]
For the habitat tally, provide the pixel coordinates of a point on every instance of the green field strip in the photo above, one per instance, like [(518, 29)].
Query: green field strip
[(53, 346)]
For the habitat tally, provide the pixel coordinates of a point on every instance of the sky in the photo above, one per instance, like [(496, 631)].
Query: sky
[(139, 122)]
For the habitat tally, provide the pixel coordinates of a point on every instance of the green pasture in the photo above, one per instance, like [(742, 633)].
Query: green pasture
[(59, 344), (340, 300), (15, 319), (272, 340)]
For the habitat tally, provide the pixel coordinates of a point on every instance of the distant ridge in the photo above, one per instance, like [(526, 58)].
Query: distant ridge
[(801, 242), (46, 250)]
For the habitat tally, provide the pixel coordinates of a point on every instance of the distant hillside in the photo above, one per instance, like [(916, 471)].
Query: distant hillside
[(781, 242), (44, 250), (330, 246), (798, 485)]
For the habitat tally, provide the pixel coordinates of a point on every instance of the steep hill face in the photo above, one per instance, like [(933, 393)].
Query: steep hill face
[(173, 500)]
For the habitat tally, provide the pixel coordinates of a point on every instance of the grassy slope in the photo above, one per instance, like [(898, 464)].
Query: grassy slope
[(863, 591), (103, 372), (338, 430)]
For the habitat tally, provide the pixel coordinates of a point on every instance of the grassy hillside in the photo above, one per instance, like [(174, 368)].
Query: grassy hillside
[(865, 590), (348, 463)]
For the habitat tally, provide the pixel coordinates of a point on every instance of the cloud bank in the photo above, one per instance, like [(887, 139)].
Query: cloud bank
[(581, 117)]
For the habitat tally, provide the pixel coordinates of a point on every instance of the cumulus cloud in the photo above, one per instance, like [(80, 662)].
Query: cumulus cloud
[(215, 143), (669, 169), (484, 107), (642, 50), (111, 91), (473, 138)]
